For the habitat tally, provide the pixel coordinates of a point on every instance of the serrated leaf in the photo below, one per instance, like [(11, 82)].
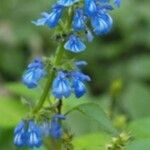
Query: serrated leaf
[(11, 112), (93, 141)]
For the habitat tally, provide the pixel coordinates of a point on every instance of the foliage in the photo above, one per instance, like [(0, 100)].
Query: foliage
[(123, 54)]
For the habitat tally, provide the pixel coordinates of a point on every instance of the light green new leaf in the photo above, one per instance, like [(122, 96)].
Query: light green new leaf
[(11, 112)]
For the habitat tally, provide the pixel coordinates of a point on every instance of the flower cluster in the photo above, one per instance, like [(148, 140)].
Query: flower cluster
[(31, 134), (85, 18), (64, 84), (67, 82), (88, 17), (27, 133)]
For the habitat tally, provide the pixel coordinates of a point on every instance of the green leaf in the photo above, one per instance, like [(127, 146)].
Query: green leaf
[(139, 67), (93, 141), (140, 128), (136, 100), (95, 113), (139, 145), (72, 103), (21, 90), (11, 112)]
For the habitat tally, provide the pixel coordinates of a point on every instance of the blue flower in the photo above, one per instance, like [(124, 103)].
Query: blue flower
[(80, 64), (34, 73), (103, 1), (74, 44), (101, 23), (20, 135), (95, 11), (78, 20), (61, 86), (52, 19), (117, 3), (80, 76), (78, 83), (67, 2), (55, 128), (90, 7), (79, 88), (27, 134), (45, 127), (42, 21), (106, 7), (34, 135), (89, 36)]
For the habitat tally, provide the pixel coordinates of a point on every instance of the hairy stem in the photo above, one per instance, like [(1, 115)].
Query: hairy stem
[(57, 60)]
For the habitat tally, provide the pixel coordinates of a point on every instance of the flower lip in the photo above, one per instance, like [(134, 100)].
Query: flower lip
[(61, 87), (78, 23), (74, 44), (50, 19), (81, 63)]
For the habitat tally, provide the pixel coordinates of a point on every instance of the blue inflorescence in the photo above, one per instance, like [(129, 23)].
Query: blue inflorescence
[(86, 19), (30, 134), (27, 134), (68, 82), (91, 18)]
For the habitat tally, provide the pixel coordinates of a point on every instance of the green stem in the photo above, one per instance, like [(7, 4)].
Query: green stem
[(57, 60), (112, 107), (59, 106)]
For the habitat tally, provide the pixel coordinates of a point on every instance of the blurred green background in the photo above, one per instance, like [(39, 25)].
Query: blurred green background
[(123, 56)]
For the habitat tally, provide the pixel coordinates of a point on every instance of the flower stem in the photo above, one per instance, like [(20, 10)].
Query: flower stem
[(60, 103), (57, 60), (112, 107)]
